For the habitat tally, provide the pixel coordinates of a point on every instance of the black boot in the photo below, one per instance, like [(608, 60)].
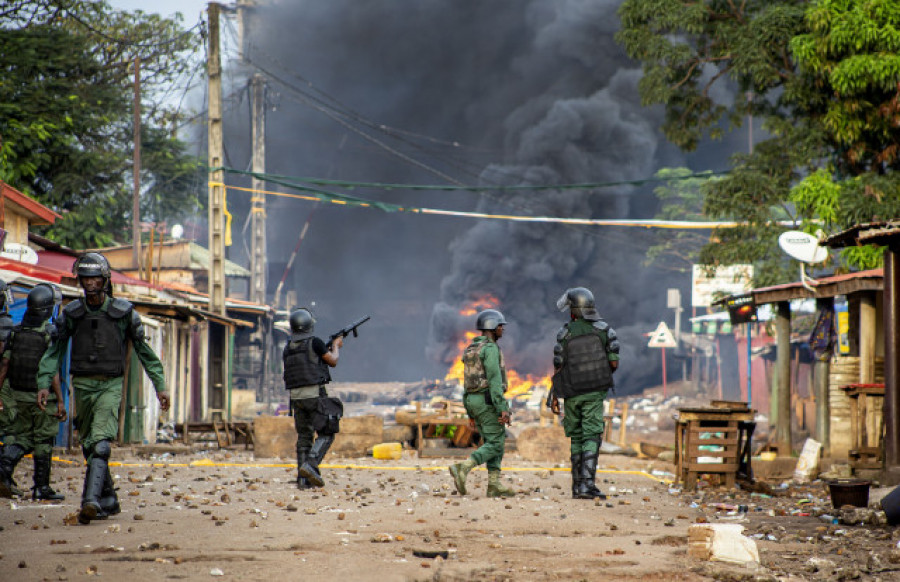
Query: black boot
[(576, 474), (42, 489), (94, 479), (9, 458), (587, 489), (310, 469), (109, 501), (302, 458)]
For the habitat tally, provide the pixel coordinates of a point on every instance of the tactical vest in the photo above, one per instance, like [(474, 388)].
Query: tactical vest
[(585, 366), (474, 377), (27, 347), (98, 344), (302, 366)]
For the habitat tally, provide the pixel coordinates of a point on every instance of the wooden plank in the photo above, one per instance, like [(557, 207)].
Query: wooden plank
[(726, 441), (712, 467)]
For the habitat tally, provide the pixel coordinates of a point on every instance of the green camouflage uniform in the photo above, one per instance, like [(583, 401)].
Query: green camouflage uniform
[(486, 416), (97, 398), (31, 428), (583, 421)]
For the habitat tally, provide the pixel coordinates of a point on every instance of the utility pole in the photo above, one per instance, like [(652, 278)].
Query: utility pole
[(258, 265), (216, 176), (136, 194)]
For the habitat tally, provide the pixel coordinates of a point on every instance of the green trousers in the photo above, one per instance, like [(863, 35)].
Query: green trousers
[(32, 429), (97, 403), (487, 419), (583, 421), (8, 414)]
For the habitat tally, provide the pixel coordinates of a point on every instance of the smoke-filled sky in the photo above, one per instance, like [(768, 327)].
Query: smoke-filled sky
[(488, 93)]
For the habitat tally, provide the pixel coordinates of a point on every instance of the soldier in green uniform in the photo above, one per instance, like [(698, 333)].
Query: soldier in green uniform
[(34, 427), (584, 358), (7, 402), (485, 384), (100, 327)]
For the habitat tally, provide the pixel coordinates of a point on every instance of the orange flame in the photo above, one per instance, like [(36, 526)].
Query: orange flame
[(516, 385)]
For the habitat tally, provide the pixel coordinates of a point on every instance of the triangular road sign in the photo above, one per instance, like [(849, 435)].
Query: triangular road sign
[(662, 337)]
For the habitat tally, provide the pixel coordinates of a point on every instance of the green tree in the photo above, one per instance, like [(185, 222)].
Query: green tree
[(811, 72), (681, 198), (66, 114)]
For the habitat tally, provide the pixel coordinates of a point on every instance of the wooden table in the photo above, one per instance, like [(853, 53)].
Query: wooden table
[(728, 429), (862, 454), (444, 418)]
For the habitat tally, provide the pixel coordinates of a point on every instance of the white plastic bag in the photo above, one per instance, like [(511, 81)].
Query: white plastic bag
[(808, 463), (721, 542)]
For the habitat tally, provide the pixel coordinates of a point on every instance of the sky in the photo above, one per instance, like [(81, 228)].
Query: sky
[(190, 9)]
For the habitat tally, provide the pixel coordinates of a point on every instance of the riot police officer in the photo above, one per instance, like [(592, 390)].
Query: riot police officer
[(7, 403), (100, 327), (584, 358), (34, 427), (485, 383), (306, 361)]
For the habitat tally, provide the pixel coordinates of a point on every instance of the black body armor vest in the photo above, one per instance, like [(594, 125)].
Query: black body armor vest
[(6, 326), (27, 347), (585, 367), (302, 366), (98, 345)]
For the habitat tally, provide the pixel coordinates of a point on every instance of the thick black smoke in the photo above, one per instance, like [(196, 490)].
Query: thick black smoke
[(533, 92)]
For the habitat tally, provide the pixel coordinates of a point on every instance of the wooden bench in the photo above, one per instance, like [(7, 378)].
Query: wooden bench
[(445, 418)]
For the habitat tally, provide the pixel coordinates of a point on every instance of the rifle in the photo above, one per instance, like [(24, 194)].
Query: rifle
[(344, 332)]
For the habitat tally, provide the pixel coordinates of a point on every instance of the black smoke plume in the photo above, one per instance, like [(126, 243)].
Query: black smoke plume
[(500, 92)]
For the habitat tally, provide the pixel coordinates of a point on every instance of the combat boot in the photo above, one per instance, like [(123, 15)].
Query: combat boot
[(310, 469), (109, 501), (94, 479), (460, 471), (576, 474), (42, 490), (9, 458), (587, 489), (495, 488), (302, 458)]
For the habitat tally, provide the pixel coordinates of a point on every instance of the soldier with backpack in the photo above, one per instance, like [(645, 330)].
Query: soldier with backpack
[(584, 358), (485, 384)]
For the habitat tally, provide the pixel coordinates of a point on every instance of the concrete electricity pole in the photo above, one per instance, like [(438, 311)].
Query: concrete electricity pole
[(136, 195), (258, 266), (216, 176)]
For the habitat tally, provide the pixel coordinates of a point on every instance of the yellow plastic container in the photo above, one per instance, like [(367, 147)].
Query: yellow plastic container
[(392, 451)]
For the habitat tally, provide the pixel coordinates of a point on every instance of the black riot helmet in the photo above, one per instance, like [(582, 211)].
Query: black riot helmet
[(489, 319), (580, 302), (302, 323), (93, 265), (5, 298), (41, 300)]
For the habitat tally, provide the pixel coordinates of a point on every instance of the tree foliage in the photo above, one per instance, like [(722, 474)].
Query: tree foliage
[(681, 198), (822, 77), (66, 114)]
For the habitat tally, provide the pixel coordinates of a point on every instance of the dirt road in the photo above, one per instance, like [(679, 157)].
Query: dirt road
[(225, 515)]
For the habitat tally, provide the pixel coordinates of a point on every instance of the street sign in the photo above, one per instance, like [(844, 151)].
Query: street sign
[(662, 337), (707, 286)]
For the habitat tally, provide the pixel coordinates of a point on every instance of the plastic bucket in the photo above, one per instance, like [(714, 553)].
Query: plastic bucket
[(891, 506), (392, 451), (853, 492)]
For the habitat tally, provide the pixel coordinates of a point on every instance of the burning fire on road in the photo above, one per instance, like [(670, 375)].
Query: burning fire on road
[(518, 386)]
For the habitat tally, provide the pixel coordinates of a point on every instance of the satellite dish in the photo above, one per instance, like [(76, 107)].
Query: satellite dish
[(802, 246)]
